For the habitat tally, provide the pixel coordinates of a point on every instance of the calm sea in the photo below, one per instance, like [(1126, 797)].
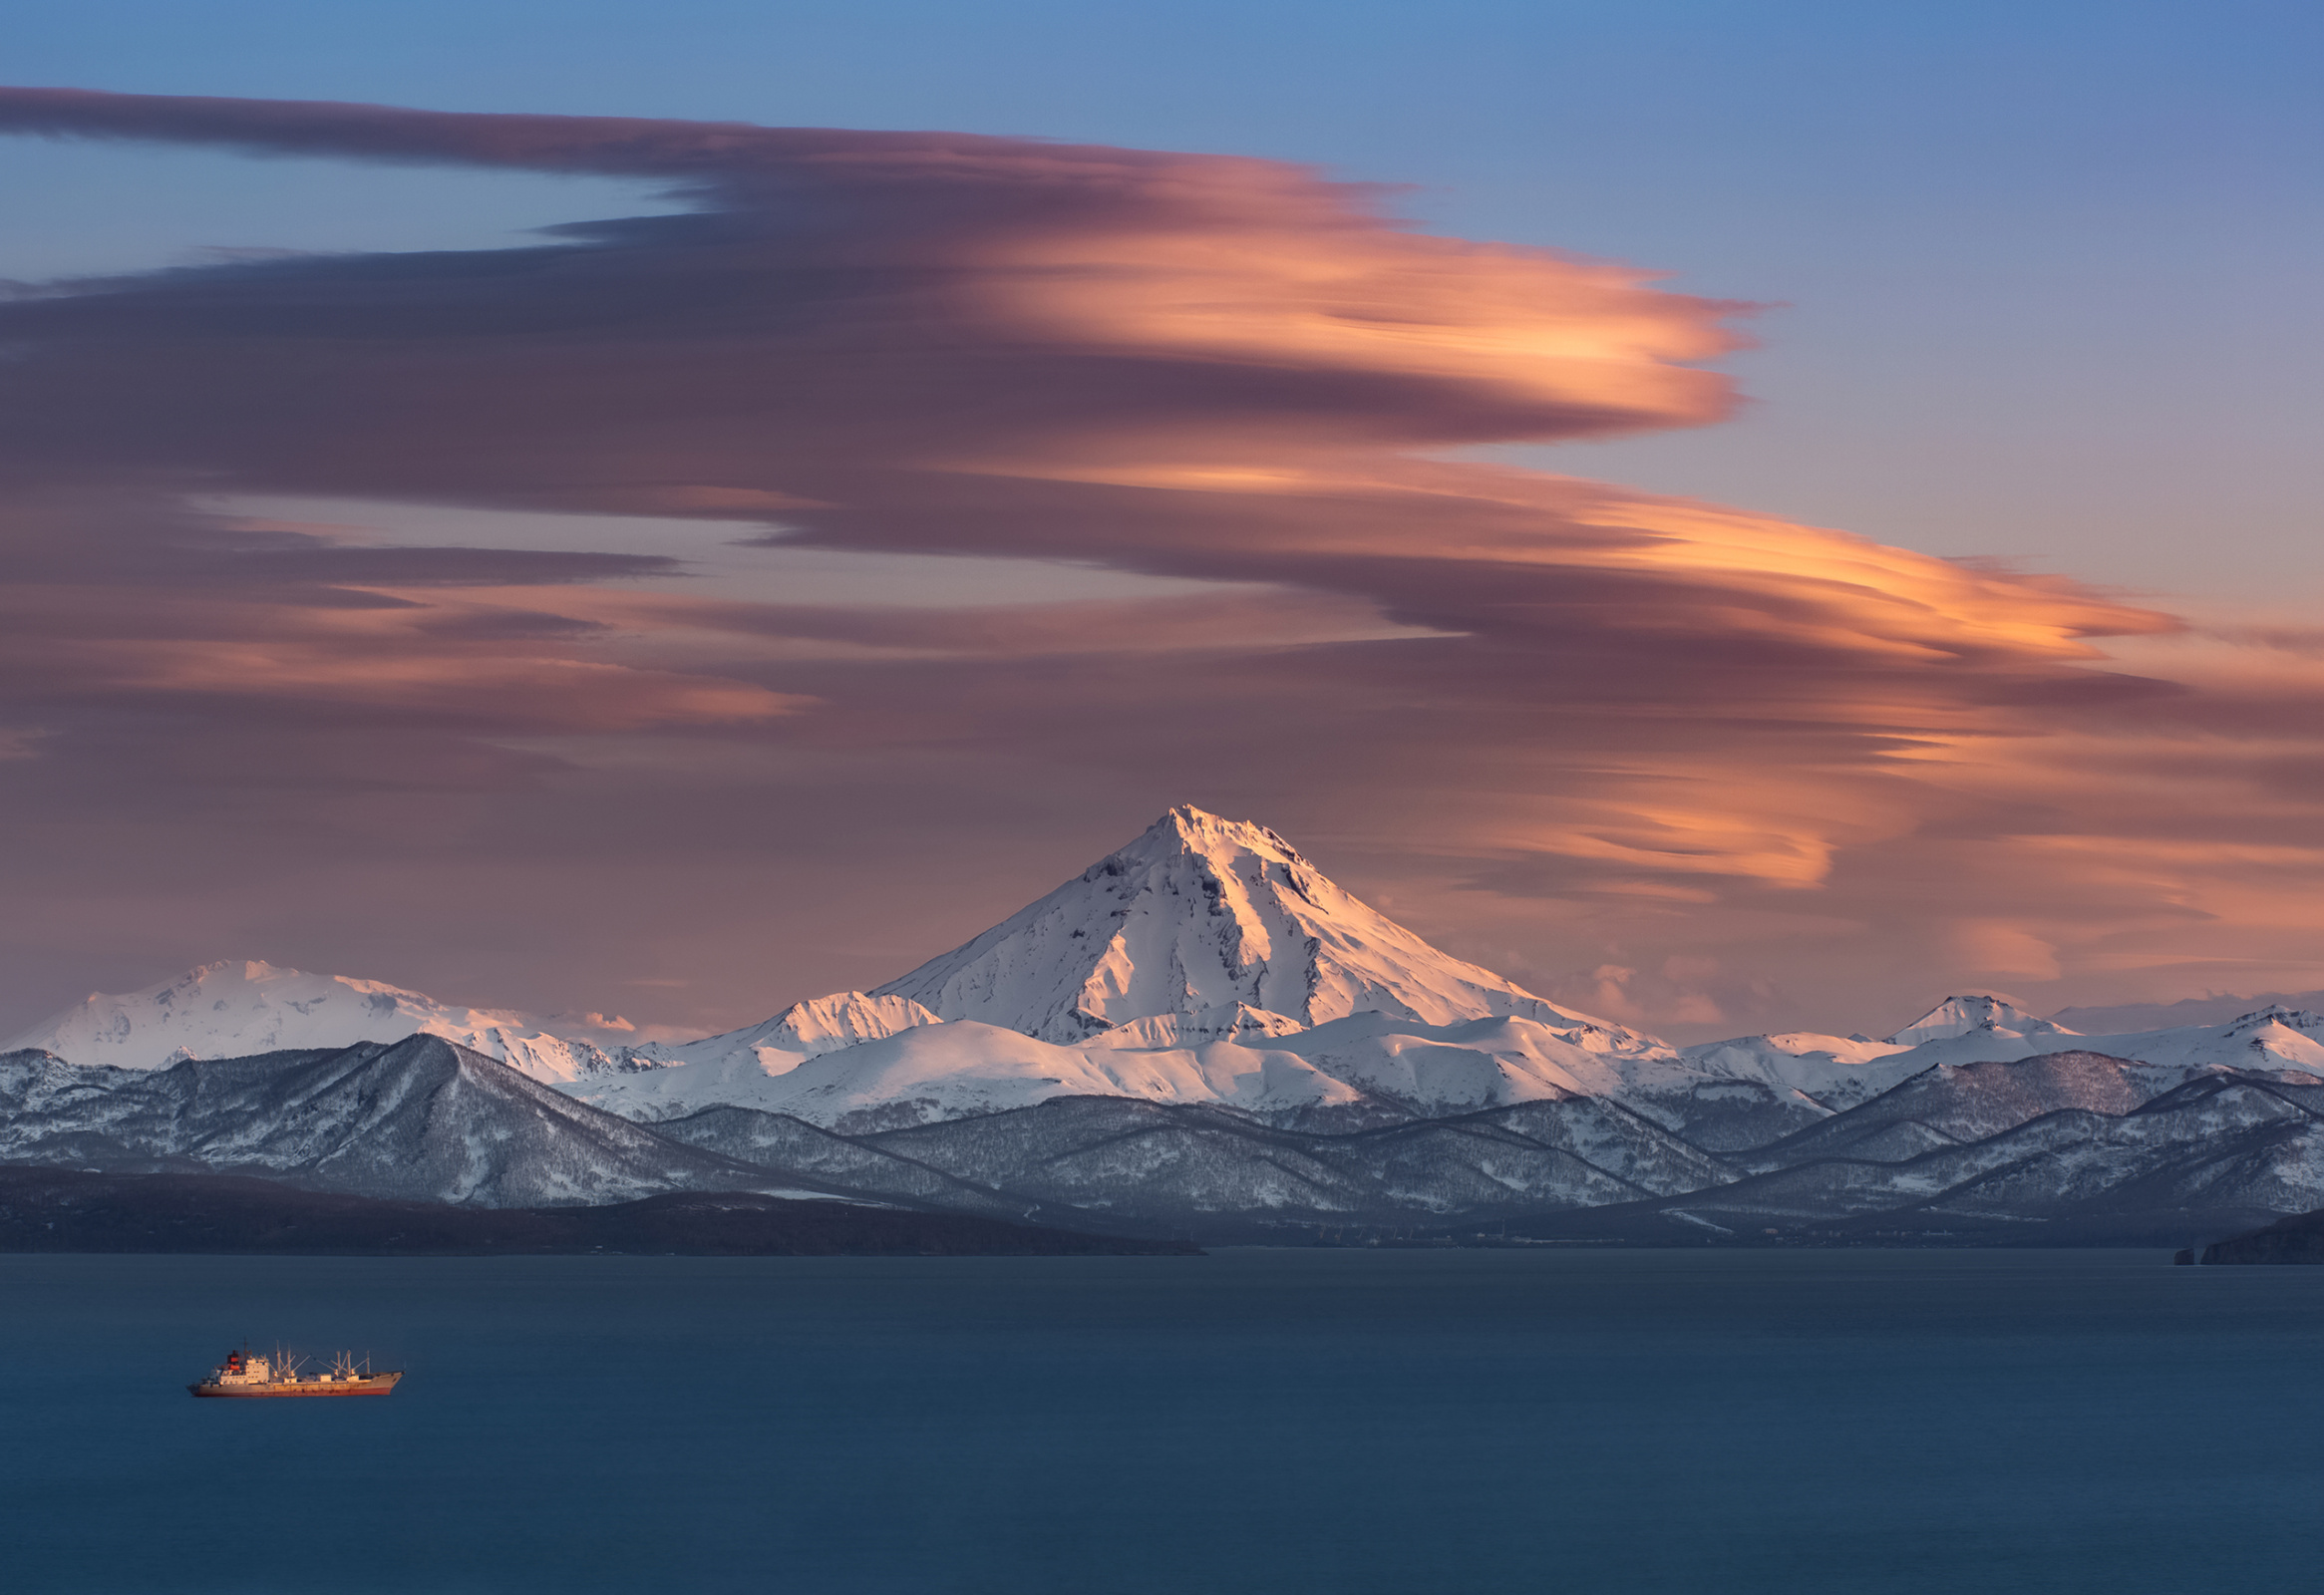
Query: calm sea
[(1402, 1422)]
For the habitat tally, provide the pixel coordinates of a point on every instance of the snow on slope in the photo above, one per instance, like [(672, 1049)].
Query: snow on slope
[(965, 1067), (1835, 1072), (2273, 1039), (419, 1118), (1201, 914), (1481, 1063), (1956, 1104), (1235, 1022), (2060, 1134), (1168, 971), (801, 1031), (1975, 1014), (1207, 963), (1831, 1072), (2270, 1038), (236, 1010), (1826, 1074), (932, 1071)]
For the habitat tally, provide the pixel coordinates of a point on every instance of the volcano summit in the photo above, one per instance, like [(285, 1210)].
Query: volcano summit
[(1200, 1034)]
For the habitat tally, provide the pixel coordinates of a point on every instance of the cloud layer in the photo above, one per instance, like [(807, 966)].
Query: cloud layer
[(1705, 764)]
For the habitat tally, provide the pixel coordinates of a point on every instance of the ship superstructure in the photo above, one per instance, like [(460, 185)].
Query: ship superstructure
[(245, 1373)]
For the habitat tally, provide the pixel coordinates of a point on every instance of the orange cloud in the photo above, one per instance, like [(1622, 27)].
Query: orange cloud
[(1569, 725)]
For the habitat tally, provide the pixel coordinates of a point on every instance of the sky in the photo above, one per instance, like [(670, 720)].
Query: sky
[(1739, 516)]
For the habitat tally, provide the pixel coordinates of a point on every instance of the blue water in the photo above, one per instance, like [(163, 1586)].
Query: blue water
[(1401, 1422)]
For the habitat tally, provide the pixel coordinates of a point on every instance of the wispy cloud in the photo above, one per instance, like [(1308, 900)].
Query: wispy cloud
[(1572, 727)]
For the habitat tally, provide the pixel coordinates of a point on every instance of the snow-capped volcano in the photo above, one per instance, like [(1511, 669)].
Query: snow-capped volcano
[(1207, 962), (1200, 1027), (1204, 920), (240, 1008)]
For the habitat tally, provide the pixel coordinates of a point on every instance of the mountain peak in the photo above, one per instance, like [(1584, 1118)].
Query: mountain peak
[(1185, 829), (1203, 914), (1970, 1011), (238, 1007), (804, 1030)]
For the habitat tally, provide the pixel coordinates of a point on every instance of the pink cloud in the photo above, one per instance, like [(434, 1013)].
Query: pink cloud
[(1569, 725)]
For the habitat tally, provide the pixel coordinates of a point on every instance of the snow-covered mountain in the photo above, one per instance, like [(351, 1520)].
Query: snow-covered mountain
[(1840, 1072), (423, 1118), (2056, 1144), (1206, 962), (1196, 917), (1980, 1014), (1366, 1069), (1198, 1021), (416, 1118), (1829, 1071), (961, 1070), (1751, 1089), (801, 1031), (239, 1009)]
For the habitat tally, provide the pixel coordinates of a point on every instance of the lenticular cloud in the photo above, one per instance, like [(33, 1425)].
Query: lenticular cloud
[(1599, 708)]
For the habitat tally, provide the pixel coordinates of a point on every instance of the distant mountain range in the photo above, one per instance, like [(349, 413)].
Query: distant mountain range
[(1201, 1036)]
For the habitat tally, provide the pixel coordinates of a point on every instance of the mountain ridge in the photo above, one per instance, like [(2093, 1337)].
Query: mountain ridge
[(244, 1007), (1204, 1030)]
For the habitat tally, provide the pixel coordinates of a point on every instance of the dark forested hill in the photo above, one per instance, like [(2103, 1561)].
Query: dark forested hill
[(63, 1211)]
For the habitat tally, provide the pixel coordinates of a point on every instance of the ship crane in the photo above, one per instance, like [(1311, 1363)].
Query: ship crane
[(243, 1375)]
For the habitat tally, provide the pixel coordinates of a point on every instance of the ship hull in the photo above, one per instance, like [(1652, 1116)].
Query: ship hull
[(378, 1385)]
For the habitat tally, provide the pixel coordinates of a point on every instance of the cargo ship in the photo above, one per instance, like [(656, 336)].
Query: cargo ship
[(243, 1375)]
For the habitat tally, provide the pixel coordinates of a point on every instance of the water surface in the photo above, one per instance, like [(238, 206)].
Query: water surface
[(1341, 1422)]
